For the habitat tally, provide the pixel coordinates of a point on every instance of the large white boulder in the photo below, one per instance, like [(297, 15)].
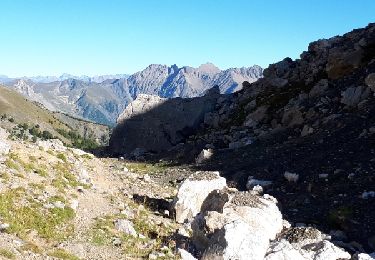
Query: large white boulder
[(236, 243), (229, 224), (241, 230), (193, 192)]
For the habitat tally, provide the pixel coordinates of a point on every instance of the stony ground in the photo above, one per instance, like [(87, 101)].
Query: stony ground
[(62, 203), (335, 168)]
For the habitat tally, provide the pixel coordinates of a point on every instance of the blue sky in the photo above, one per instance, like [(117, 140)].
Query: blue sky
[(51, 37)]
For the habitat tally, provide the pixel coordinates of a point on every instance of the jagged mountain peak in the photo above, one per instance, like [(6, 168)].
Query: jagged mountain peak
[(102, 99), (155, 67), (65, 76), (209, 68)]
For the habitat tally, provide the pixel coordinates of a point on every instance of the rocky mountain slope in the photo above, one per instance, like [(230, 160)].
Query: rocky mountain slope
[(304, 133), (282, 169), (62, 203), (103, 101), (30, 120)]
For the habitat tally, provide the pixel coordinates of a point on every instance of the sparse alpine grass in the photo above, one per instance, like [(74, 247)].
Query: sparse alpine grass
[(103, 232), (23, 214), (7, 253), (62, 157), (15, 162), (143, 168), (62, 254)]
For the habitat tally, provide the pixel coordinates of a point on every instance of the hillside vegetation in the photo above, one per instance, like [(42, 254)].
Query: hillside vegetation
[(29, 120)]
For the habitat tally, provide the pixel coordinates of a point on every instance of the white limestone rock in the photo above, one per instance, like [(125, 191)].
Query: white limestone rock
[(83, 175), (79, 152), (74, 204), (126, 226), (283, 250), (142, 104), (59, 204), (324, 250), (185, 255), (252, 182), (193, 191), (242, 230), (204, 155), (4, 145), (239, 245), (52, 144), (364, 256), (309, 242)]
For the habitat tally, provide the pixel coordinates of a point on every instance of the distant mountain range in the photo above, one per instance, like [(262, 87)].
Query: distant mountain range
[(65, 76), (102, 98)]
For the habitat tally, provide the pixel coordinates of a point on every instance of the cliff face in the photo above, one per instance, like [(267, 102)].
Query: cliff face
[(157, 124)]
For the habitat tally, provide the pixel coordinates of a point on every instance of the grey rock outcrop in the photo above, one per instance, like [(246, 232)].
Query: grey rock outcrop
[(352, 96), (141, 105), (370, 81), (54, 144), (125, 226)]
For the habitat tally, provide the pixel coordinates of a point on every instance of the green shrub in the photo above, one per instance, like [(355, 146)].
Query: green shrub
[(46, 135), (77, 140), (62, 157)]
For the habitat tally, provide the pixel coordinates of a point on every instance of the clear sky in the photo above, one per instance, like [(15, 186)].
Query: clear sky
[(51, 37)]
